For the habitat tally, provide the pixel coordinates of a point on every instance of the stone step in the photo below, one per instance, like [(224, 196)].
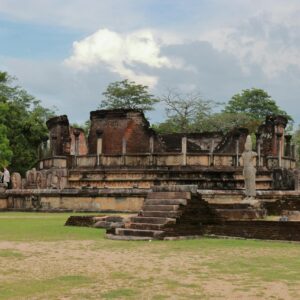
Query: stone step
[(160, 214), (127, 237), (147, 207), (139, 232), (169, 195), (146, 226), (153, 220), (175, 201)]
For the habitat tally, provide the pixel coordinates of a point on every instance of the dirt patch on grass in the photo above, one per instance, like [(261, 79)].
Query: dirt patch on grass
[(140, 270)]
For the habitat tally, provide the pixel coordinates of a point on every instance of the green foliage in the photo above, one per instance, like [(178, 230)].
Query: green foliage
[(85, 126), (296, 139), (254, 103), (169, 126), (5, 149), (128, 95), (23, 125), (225, 122)]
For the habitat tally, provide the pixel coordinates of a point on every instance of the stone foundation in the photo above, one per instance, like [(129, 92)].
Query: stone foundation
[(117, 200), (267, 230), (132, 200)]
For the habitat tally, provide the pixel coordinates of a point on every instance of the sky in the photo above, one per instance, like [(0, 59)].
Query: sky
[(65, 53)]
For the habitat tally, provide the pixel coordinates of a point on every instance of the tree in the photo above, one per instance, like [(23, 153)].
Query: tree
[(296, 140), (225, 122), (254, 103), (24, 121), (185, 112), (128, 95), (5, 149)]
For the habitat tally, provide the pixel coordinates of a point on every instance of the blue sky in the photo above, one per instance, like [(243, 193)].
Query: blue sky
[(67, 52)]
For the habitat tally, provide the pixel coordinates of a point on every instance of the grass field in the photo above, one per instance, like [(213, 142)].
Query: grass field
[(42, 259)]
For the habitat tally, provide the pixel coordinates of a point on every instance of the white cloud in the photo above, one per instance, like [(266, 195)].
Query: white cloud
[(120, 53), (263, 40)]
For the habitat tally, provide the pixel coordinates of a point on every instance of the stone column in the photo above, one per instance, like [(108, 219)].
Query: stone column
[(211, 153), (76, 134), (151, 149), (258, 149), (279, 148), (288, 150), (237, 150), (184, 150), (40, 151), (151, 144), (53, 145), (99, 146), (124, 145), (297, 180), (293, 150)]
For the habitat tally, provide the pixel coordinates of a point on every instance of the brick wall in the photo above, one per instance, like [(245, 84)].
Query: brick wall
[(59, 134), (269, 230), (114, 125)]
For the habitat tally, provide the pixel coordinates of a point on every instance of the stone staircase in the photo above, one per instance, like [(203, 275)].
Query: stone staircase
[(167, 214)]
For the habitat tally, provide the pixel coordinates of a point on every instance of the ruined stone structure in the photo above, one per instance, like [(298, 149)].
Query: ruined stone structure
[(122, 159)]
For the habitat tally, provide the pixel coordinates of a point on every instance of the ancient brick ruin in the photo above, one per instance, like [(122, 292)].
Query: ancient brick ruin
[(122, 160)]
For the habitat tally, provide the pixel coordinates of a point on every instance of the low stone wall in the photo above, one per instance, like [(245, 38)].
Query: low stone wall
[(287, 203), (3, 202), (236, 196), (132, 199), (267, 230), (122, 200)]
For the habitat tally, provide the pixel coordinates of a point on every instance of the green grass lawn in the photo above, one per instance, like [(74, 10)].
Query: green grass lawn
[(42, 227), (40, 258)]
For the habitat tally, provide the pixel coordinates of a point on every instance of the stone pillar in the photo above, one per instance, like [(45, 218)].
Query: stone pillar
[(40, 151), (296, 152), (124, 144), (76, 134), (151, 144), (53, 143), (288, 149), (293, 150), (211, 153), (237, 150), (258, 149), (99, 146), (184, 150), (279, 148), (45, 149), (151, 149)]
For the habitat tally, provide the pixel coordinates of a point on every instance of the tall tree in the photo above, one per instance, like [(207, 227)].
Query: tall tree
[(24, 121), (224, 122), (5, 149), (251, 107), (128, 95), (255, 103), (185, 112)]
